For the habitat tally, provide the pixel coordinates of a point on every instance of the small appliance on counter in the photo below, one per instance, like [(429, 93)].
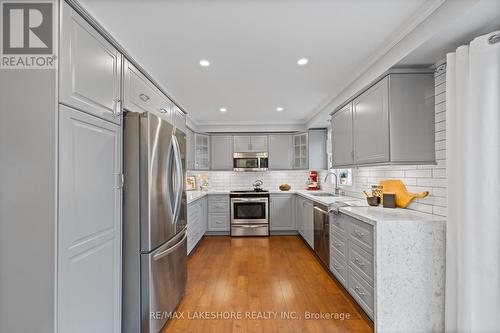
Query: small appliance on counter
[(312, 183)]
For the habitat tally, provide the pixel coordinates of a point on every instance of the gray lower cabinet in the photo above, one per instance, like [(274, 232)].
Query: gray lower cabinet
[(218, 213), (197, 222), (392, 122), (352, 258), (282, 217), (305, 222), (221, 150), (280, 151), (89, 223), (90, 68)]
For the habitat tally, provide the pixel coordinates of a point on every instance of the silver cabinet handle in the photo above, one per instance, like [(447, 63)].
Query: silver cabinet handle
[(144, 97), (359, 262), (359, 291), (163, 110), (358, 233), (337, 244)]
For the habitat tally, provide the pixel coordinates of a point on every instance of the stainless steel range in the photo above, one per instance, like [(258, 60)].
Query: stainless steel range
[(249, 213)]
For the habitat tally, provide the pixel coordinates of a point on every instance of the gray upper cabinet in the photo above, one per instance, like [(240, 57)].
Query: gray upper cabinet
[(259, 143), (317, 156), (90, 68), (201, 151), (342, 148), (190, 149), (140, 95), (221, 149), (250, 144), (371, 124), (282, 211), (179, 119), (392, 122), (280, 151), (300, 151)]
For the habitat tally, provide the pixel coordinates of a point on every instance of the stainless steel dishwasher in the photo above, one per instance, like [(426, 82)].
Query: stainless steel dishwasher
[(322, 233)]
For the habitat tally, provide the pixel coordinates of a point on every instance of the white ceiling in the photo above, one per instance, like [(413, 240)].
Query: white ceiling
[(253, 48)]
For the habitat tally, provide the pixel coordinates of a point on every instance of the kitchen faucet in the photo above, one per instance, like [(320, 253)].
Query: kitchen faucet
[(336, 188)]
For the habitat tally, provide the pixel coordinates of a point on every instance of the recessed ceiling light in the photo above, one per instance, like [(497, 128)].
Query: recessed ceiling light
[(222, 109), (279, 109), (302, 62), (204, 63)]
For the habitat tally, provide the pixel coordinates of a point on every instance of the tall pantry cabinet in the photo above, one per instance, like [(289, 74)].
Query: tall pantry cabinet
[(90, 189)]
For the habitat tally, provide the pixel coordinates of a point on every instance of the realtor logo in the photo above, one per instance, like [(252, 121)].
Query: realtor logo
[(27, 34)]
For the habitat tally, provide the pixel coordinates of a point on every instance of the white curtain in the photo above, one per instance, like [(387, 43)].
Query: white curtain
[(473, 166)]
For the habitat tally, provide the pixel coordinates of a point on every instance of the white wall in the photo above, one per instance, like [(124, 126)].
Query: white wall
[(419, 178)]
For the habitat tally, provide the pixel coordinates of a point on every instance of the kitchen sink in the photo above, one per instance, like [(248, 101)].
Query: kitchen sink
[(324, 195)]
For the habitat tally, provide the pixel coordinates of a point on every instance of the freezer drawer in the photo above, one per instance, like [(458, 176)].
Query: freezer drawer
[(164, 274), (250, 230)]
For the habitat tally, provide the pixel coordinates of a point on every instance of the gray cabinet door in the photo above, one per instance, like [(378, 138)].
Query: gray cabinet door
[(90, 68), (371, 124), (280, 151), (342, 148), (282, 212), (242, 144), (179, 118), (190, 149), (259, 143), (89, 226), (308, 222), (201, 152), (300, 151), (222, 152), (317, 157)]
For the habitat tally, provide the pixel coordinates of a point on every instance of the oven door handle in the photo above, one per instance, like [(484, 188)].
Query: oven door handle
[(249, 200), (249, 225)]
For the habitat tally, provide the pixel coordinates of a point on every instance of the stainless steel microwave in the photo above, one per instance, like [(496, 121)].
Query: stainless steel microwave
[(250, 161)]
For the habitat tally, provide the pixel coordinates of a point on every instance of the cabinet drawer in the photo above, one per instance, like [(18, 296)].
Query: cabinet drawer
[(218, 204), (339, 269), (362, 262), (361, 233), (218, 222), (339, 246), (361, 291), (338, 224)]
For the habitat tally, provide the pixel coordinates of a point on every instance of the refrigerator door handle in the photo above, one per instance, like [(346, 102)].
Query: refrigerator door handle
[(170, 249), (170, 189), (180, 179)]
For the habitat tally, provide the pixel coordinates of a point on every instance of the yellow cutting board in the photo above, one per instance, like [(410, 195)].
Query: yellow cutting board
[(403, 197)]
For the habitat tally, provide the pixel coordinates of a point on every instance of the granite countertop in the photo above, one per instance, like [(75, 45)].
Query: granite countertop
[(358, 208)]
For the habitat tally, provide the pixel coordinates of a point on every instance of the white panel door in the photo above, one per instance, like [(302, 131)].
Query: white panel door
[(371, 124), (89, 227), (90, 68)]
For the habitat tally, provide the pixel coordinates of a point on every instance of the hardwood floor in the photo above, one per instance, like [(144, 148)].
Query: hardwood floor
[(272, 277)]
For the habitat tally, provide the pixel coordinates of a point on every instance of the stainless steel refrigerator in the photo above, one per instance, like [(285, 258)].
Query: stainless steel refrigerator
[(154, 221)]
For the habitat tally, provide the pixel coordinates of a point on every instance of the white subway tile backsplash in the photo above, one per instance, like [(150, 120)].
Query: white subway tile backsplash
[(419, 173)]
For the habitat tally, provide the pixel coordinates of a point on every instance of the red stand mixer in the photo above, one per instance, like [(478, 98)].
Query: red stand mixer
[(312, 184)]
